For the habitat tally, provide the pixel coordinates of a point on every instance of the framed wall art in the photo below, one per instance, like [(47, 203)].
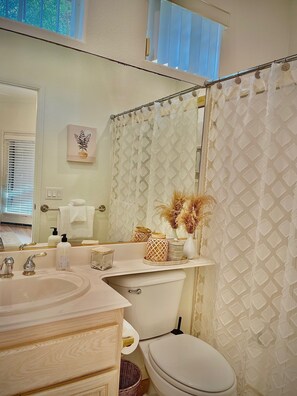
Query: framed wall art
[(81, 143)]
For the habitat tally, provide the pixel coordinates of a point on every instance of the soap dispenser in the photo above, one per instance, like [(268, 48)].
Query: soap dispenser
[(54, 239), (63, 255)]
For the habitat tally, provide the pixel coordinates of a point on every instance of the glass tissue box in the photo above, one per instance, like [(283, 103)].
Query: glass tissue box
[(101, 258)]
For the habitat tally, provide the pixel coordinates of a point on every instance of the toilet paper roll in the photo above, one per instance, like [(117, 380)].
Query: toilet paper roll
[(129, 331)]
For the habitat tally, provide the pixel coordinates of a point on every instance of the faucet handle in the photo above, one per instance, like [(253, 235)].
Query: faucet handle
[(29, 266), (8, 262)]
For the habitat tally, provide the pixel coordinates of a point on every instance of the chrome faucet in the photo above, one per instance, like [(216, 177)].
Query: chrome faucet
[(7, 272), (22, 247), (29, 266)]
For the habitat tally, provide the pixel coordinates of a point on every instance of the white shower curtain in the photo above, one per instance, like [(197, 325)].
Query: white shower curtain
[(154, 153), (246, 305)]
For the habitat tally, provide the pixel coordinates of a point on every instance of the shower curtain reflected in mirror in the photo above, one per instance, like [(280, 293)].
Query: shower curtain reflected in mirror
[(249, 308), (154, 154)]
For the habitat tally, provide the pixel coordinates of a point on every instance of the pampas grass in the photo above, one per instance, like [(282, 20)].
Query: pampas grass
[(171, 212), (194, 211)]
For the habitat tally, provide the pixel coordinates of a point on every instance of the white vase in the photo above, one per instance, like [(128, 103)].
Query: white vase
[(190, 248)]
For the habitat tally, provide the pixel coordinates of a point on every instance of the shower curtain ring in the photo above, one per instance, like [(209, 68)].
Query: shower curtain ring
[(237, 79), (257, 74), (219, 84), (285, 65)]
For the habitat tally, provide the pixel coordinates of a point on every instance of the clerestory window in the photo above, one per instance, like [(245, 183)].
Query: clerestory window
[(64, 17), (183, 40)]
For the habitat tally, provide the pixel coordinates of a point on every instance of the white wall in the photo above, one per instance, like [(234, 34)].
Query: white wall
[(259, 31), (81, 89)]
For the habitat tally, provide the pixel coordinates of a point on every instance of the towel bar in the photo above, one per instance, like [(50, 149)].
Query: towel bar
[(45, 208)]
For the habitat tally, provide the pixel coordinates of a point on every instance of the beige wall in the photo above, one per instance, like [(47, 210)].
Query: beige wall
[(17, 116), (293, 28), (259, 32)]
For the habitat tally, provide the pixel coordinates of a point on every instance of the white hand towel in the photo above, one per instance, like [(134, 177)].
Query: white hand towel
[(77, 213), (76, 230), (77, 202)]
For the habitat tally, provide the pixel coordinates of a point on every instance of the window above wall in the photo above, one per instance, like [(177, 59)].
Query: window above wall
[(64, 17), (183, 40)]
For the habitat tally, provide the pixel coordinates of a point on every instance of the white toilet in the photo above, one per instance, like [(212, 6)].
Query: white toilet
[(178, 365)]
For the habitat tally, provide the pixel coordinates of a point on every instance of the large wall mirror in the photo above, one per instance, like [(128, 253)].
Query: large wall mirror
[(44, 88)]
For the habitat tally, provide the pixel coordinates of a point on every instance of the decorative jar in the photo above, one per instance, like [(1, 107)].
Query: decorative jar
[(157, 247), (175, 250), (141, 234)]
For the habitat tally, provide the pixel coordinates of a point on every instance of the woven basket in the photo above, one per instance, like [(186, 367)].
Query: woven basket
[(130, 379), (141, 234), (157, 248)]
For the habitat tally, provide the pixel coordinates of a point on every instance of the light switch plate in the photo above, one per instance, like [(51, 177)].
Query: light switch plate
[(53, 193)]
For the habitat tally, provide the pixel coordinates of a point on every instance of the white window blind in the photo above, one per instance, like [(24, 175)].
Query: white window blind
[(184, 40), (19, 180)]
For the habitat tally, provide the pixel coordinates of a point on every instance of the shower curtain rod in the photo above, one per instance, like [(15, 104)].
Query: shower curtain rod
[(180, 93), (250, 70), (209, 83)]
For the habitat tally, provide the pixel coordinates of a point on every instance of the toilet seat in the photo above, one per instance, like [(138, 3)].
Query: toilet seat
[(191, 365)]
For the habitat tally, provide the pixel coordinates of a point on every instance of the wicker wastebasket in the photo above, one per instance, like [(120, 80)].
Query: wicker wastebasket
[(130, 379)]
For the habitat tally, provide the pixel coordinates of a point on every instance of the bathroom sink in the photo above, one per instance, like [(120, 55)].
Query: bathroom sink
[(23, 294)]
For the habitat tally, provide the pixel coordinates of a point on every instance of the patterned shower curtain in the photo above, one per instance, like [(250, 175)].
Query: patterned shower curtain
[(154, 153), (246, 305)]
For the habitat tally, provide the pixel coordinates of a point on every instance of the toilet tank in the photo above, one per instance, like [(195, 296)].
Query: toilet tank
[(155, 298)]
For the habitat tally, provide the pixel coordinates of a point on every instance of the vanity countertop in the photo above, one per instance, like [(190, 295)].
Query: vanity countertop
[(100, 297)]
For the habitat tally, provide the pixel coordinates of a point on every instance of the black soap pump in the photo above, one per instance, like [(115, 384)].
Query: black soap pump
[(54, 239), (63, 255)]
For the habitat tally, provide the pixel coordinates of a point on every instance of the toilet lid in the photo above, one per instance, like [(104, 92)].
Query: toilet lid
[(190, 364)]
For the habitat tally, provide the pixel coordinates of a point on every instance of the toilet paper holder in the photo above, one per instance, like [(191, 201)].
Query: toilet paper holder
[(127, 341)]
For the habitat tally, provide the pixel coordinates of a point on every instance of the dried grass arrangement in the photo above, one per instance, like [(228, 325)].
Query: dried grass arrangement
[(172, 211), (196, 210)]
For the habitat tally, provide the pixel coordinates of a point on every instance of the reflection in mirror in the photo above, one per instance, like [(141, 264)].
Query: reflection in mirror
[(154, 155), (18, 110), (74, 88)]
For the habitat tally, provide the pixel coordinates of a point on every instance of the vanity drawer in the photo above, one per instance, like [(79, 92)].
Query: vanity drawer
[(102, 384), (58, 359)]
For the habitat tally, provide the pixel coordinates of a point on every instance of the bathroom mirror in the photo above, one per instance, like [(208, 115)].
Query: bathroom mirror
[(72, 88)]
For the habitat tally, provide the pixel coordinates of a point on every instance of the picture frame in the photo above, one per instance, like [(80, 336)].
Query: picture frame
[(81, 143)]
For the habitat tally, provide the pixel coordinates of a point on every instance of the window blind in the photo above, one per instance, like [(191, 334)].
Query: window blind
[(184, 40), (18, 196)]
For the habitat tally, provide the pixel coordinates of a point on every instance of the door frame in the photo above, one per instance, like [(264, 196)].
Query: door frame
[(38, 166)]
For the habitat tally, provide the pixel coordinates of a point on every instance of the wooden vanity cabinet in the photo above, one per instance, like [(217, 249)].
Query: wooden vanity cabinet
[(78, 356)]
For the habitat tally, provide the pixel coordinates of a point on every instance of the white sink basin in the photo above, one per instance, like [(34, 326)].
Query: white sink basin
[(23, 294)]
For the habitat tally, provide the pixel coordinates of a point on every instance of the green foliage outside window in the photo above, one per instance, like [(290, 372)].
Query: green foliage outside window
[(60, 16)]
